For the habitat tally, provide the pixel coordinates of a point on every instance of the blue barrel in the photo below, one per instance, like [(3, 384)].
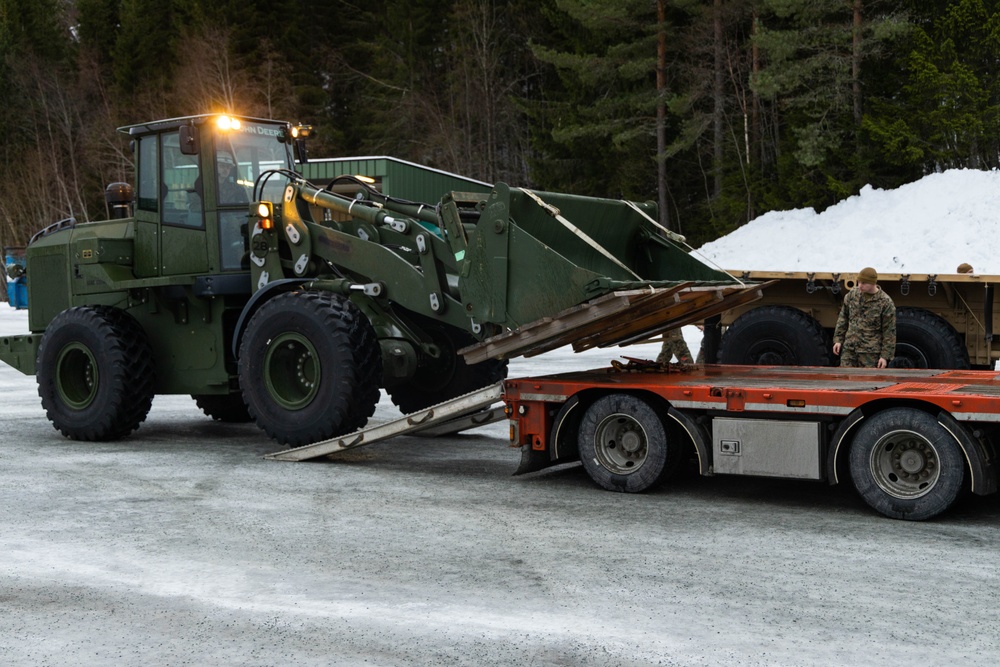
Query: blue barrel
[(17, 288)]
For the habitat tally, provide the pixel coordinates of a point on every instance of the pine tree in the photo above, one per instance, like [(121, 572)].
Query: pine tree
[(945, 109)]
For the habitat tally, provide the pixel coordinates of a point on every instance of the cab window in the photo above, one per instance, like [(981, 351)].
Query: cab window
[(149, 174), (181, 188)]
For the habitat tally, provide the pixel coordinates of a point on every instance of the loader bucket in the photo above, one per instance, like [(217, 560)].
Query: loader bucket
[(594, 272)]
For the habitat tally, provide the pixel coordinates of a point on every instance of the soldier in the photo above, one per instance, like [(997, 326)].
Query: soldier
[(866, 329), (230, 192), (674, 346)]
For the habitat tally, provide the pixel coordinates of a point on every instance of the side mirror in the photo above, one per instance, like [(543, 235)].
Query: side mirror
[(189, 140), (301, 154)]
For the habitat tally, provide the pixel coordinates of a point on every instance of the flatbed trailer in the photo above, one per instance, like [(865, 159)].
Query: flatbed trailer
[(910, 440)]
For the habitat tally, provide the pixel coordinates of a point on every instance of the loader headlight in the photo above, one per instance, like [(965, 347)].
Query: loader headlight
[(265, 211), (227, 123), (294, 132)]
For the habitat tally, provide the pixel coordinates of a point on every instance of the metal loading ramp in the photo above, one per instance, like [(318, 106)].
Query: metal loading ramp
[(467, 411), (618, 318)]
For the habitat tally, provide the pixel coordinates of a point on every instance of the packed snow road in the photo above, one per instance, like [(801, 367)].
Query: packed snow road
[(182, 545)]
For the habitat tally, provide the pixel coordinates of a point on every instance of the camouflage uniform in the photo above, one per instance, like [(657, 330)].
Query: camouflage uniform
[(674, 345), (866, 329)]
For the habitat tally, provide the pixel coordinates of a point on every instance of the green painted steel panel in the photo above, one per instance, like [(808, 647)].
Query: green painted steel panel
[(399, 178)]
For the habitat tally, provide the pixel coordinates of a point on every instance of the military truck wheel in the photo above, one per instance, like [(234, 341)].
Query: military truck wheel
[(95, 373), (926, 340), (775, 336), (449, 377), (906, 465), (309, 367), (624, 445), (228, 408)]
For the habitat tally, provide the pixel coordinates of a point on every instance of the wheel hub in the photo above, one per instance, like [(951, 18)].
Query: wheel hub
[(631, 442), (905, 464), (621, 445), (291, 371), (912, 461), (76, 376)]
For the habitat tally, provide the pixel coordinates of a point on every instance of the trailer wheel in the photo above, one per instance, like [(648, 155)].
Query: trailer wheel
[(95, 373), (448, 377), (906, 465), (309, 367), (228, 408), (775, 336), (926, 340), (624, 446)]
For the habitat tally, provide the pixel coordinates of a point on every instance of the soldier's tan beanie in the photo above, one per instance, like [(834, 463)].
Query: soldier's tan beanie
[(867, 275), (964, 268)]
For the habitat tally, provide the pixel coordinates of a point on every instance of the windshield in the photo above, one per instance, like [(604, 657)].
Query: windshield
[(242, 154)]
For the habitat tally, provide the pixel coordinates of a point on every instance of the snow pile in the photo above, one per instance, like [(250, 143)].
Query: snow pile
[(930, 226)]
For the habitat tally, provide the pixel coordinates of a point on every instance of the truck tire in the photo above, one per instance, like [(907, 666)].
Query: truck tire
[(228, 408), (309, 367), (95, 373), (449, 377), (905, 465), (775, 336), (926, 340), (624, 444)]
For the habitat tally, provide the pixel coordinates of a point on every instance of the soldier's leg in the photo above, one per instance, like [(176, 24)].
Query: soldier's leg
[(848, 358), (868, 359)]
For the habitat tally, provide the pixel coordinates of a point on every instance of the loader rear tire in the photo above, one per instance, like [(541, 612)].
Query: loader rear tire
[(228, 408), (309, 367), (775, 336), (95, 373), (449, 377)]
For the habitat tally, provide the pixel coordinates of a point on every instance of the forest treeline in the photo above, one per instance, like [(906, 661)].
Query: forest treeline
[(719, 109)]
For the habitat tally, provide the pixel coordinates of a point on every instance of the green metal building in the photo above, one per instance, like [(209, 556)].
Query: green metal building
[(392, 176)]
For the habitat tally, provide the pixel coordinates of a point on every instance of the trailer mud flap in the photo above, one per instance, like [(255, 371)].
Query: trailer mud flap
[(533, 460), (984, 475)]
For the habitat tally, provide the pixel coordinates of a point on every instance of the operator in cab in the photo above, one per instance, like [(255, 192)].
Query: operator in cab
[(230, 192)]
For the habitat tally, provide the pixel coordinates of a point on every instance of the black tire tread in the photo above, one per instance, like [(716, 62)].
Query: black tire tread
[(421, 392), (356, 390), (811, 345), (660, 465), (127, 375), (226, 408), (945, 491), (933, 335)]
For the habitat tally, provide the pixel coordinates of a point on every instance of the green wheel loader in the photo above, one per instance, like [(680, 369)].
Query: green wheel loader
[(225, 275)]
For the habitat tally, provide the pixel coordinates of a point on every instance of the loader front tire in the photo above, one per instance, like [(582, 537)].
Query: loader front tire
[(95, 373), (309, 367)]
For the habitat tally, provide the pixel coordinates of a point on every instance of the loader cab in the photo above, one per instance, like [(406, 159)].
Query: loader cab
[(195, 179)]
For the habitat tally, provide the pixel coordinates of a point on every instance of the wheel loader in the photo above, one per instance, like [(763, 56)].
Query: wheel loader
[(224, 274)]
